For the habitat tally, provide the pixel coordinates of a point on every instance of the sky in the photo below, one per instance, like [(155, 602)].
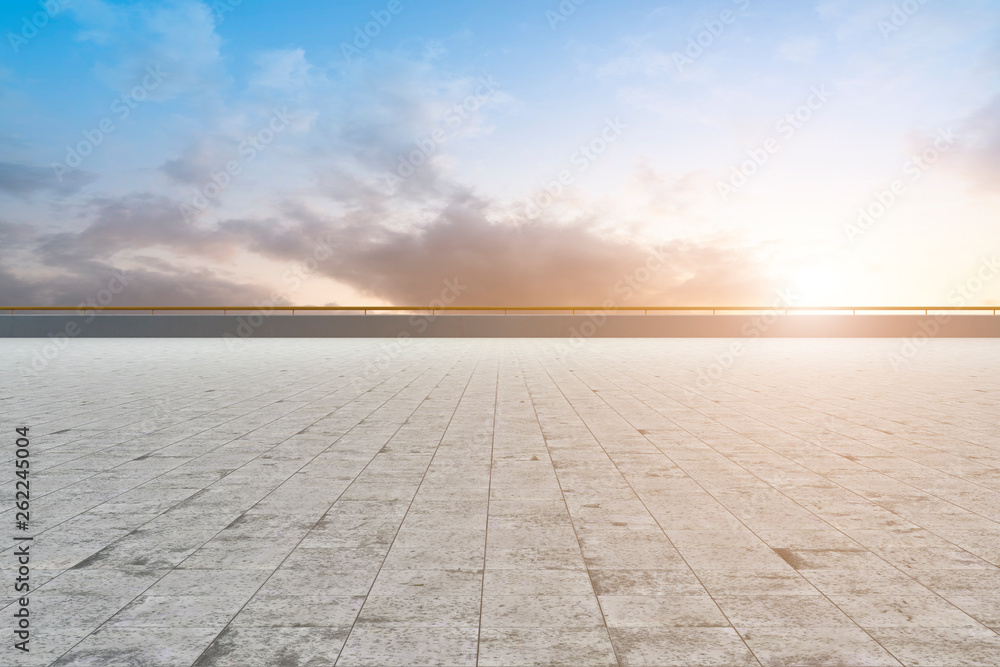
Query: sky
[(516, 153)]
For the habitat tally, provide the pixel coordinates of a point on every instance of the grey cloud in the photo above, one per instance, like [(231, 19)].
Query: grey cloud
[(374, 244), (15, 291), (78, 265), (195, 164), (513, 262), (133, 222), (84, 282), (538, 263), (15, 235), (191, 168), (23, 180)]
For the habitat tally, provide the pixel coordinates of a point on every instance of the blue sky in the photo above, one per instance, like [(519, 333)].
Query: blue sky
[(839, 151)]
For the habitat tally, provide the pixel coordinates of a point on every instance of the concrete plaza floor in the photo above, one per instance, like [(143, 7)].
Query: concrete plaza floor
[(506, 502)]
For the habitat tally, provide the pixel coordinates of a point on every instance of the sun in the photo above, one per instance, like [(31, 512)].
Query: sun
[(818, 286)]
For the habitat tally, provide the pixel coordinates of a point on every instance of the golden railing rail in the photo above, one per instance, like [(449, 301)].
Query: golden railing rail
[(502, 309)]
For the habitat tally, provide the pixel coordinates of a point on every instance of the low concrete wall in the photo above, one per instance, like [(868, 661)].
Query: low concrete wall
[(497, 326)]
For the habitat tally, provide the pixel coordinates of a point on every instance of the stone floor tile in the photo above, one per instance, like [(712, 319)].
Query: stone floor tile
[(882, 581), (586, 647), (782, 611), (127, 647), (513, 502), (646, 582), (681, 647), (421, 611), (662, 611), (323, 582), (209, 582), (896, 611), (754, 582), (934, 647), (377, 646), (307, 611), (541, 611), (242, 647), (179, 611), (817, 647), (983, 608), (537, 582)]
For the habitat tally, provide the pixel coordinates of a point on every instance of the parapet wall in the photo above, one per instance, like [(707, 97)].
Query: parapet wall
[(499, 326)]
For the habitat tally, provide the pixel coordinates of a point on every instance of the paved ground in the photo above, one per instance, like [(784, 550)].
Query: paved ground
[(507, 502)]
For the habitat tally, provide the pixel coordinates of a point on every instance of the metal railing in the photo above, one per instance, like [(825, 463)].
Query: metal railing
[(715, 310)]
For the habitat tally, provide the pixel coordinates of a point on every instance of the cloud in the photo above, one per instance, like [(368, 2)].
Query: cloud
[(15, 291), (142, 288), (509, 263), (196, 163), (979, 139), (640, 59), (854, 19), (178, 37), (14, 235), (401, 249), (398, 249), (799, 49), (499, 257), (283, 69), (191, 168), (97, 20), (349, 126), (130, 223), (67, 269), (670, 195), (22, 180), (368, 117)]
